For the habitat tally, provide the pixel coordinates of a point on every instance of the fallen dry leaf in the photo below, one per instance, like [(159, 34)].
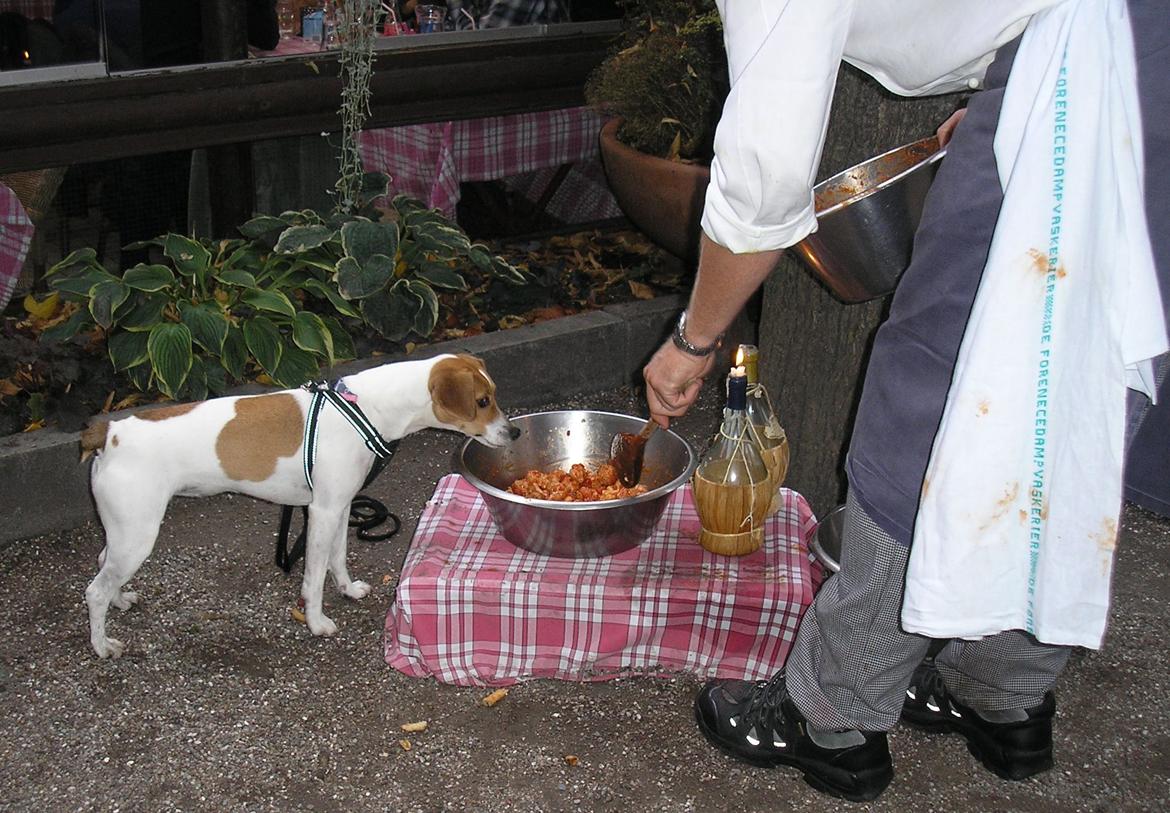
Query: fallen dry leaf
[(641, 290), (495, 697), (571, 759), (386, 577), (404, 744), (297, 615), (414, 728)]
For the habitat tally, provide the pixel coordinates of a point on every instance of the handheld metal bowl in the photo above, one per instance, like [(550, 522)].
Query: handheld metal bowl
[(866, 219), (576, 530)]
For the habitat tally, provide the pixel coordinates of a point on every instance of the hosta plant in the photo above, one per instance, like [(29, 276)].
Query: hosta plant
[(211, 313)]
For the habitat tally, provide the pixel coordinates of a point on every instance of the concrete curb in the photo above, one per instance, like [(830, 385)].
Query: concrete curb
[(43, 487)]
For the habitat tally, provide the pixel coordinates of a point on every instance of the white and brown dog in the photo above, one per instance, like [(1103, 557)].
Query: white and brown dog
[(254, 445)]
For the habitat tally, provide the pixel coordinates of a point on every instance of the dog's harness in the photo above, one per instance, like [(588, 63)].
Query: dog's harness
[(346, 402), (365, 513)]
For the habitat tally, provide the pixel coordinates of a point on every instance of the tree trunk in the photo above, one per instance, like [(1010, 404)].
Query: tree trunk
[(813, 348)]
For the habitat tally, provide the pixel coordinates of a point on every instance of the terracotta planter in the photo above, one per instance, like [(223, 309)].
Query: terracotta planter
[(664, 199)]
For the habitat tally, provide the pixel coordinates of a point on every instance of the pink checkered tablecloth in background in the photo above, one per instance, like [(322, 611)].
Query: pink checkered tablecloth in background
[(429, 161), (474, 610), (16, 234)]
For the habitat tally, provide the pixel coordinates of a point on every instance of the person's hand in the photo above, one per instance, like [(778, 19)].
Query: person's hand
[(673, 379), (947, 128)]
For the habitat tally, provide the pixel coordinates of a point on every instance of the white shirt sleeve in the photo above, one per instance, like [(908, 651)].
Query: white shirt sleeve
[(782, 59)]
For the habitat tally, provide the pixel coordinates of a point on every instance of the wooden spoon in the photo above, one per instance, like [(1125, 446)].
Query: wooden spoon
[(626, 452)]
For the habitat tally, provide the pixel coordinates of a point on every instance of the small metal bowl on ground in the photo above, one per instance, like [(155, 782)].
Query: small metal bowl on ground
[(866, 219), (826, 543), (557, 440)]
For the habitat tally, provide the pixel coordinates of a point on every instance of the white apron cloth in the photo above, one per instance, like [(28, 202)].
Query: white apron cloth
[(1019, 512)]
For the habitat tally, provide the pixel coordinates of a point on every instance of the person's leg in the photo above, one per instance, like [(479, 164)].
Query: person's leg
[(851, 661)]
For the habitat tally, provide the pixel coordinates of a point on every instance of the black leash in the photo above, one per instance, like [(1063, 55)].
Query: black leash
[(365, 512)]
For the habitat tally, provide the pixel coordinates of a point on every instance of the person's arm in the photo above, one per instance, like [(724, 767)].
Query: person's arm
[(783, 62), (723, 285)]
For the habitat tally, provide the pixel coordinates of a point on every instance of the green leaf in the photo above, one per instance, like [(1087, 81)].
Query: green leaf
[(330, 293), (190, 258), (207, 323), (295, 368), (428, 312), (343, 348), (296, 239), (169, 347), (82, 283), (83, 257), (138, 245), (127, 349), (264, 342), (261, 226), (140, 376), (67, 329), (143, 311), (236, 276), (392, 313), (216, 378), (234, 357), (148, 277), (273, 301), (309, 333), (374, 184), (196, 386), (362, 239), (105, 297), (356, 281), (481, 257), (508, 272), (441, 275)]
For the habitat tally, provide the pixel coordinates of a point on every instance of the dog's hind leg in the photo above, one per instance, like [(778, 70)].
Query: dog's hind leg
[(131, 530), (325, 524)]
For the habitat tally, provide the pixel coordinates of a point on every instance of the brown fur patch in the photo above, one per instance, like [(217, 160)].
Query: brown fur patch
[(457, 385), (93, 438), (162, 413), (265, 429)]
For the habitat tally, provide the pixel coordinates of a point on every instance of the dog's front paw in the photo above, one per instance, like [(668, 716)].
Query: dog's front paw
[(108, 648), (124, 601), (356, 589), (321, 626)]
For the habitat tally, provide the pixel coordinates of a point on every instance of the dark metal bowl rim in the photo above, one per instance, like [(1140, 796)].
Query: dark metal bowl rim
[(888, 182), (653, 494)]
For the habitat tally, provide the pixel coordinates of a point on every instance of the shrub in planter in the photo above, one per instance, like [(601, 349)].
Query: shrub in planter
[(666, 79)]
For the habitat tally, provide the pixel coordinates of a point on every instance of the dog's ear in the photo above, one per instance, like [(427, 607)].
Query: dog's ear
[(452, 386)]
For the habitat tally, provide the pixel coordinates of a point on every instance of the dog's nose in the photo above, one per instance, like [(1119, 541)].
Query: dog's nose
[(513, 431)]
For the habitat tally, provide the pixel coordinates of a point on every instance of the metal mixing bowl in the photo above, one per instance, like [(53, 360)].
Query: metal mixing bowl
[(551, 440), (866, 219), (826, 543)]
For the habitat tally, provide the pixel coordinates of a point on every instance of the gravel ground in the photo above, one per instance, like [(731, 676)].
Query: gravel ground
[(223, 703)]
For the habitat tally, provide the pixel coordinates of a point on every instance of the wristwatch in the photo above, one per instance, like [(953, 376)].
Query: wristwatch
[(680, 340)]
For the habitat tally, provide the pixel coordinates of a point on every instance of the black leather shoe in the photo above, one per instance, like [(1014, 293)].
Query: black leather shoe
[(1011, 750), (758, 723)]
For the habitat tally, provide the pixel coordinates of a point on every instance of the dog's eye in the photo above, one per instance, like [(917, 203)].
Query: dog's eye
[(483, 403)]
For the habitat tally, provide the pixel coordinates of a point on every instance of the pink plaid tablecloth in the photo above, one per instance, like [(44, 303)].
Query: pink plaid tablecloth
[(474, 610), (16, 234), (429, 161)]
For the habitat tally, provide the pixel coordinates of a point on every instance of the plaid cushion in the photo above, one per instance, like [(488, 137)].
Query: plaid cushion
[(472, 609)]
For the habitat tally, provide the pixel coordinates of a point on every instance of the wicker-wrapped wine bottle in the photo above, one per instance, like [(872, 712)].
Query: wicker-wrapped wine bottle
[(765, 426), (732, 488)]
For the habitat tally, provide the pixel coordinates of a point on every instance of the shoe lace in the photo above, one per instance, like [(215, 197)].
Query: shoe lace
[(765, 704)]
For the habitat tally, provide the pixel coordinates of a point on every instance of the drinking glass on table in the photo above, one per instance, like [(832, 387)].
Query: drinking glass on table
[(286, 19), (430, 18)]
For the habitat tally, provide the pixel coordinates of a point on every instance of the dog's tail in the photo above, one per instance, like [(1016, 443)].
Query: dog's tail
[(93, 439)]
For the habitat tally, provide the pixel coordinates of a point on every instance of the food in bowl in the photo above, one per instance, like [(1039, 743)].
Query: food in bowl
[(578, 484)]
